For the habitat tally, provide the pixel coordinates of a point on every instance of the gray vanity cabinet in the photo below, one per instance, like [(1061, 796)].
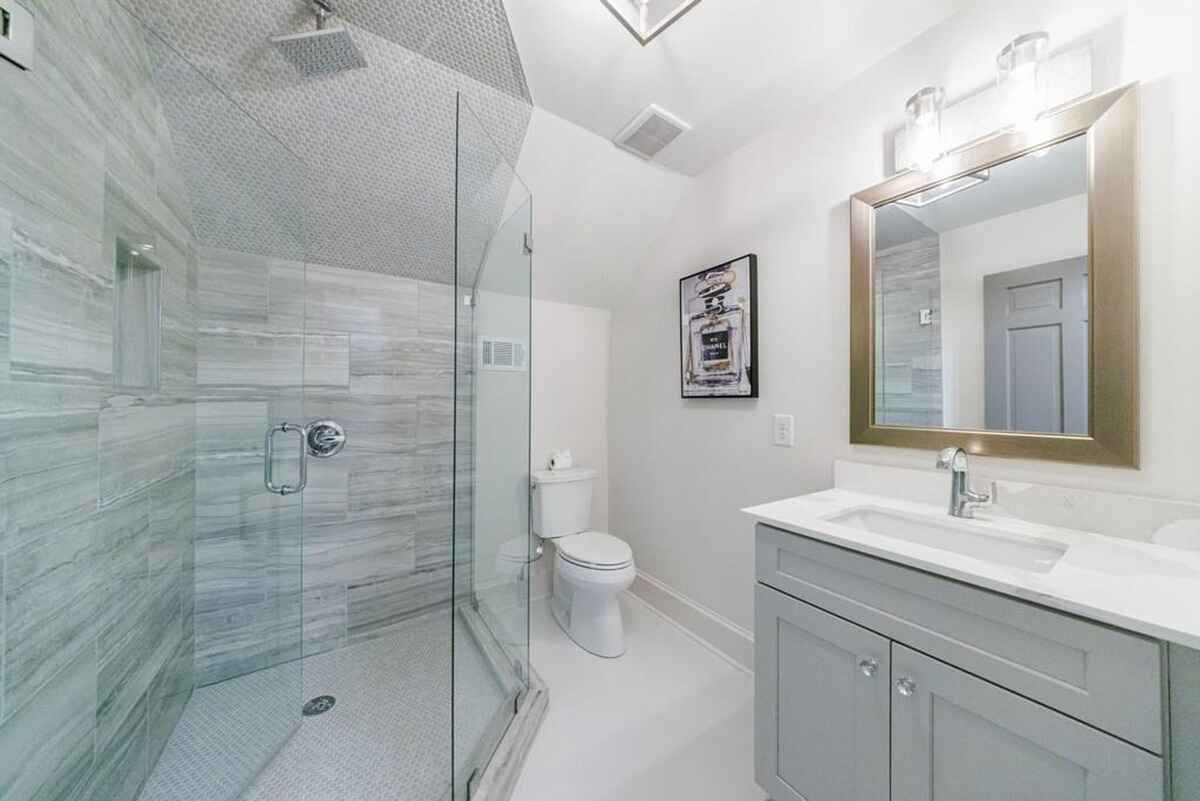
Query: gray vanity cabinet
[(822, 704), (956, 736), (877, 682)]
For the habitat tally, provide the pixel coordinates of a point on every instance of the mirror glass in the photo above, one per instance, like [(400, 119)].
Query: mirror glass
[(981, 299)]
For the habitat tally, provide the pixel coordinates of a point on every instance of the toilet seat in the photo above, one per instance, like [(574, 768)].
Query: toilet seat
[(595, 550)]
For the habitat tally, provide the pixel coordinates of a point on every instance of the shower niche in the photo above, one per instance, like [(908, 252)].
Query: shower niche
[(137, 312)]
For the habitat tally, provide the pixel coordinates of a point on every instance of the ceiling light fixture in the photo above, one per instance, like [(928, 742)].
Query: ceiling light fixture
[(923, 127), (646, 19), (1021, 78)]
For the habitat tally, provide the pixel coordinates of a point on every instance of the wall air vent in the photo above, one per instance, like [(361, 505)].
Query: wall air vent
[(651, 130), (501, 353)]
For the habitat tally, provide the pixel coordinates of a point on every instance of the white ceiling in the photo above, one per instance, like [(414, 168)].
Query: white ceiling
[(731, 68), (596, 211)]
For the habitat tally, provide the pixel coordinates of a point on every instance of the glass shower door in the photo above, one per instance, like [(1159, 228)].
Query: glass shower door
[(492, 540)]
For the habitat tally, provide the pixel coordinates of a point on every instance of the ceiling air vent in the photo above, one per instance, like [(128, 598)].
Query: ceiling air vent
[(501, 353), (650, 132)]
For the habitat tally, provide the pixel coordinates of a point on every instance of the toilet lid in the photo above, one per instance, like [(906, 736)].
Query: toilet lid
[(594, 549)]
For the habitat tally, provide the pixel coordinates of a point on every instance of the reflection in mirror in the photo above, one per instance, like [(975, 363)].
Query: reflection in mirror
[(981, 299)]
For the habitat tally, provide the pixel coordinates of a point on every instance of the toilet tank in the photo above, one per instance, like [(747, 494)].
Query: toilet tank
[(562, 501)]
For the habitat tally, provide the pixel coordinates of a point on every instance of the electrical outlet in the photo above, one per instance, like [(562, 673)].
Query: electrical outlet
[(784, 431)]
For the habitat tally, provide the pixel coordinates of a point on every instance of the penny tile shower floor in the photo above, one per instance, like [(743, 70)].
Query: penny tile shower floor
[(388, 736)]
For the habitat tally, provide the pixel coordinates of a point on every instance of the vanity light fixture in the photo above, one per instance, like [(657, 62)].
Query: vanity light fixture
[(923, 126), (1021, 78)]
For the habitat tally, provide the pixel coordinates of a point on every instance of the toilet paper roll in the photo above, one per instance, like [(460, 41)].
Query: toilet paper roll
[(560, 460)]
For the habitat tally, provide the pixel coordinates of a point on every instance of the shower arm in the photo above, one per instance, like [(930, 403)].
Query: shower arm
[(324, 9)]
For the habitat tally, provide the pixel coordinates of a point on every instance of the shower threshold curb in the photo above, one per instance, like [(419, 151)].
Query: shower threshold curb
[(499, 779)]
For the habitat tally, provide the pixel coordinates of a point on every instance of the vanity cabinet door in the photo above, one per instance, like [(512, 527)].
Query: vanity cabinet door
[(958, 737), (821, 696)]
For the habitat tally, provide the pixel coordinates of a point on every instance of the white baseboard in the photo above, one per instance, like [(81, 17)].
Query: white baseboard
[(702, 624)]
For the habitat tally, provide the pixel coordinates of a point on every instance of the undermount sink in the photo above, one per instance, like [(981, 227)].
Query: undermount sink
[(989, 545)]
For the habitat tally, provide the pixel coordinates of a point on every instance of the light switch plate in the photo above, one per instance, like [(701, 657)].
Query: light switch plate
[(783, 431), (16, 34)]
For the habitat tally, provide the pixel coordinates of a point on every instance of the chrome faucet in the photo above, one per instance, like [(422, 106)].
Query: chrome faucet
[(963, 499)]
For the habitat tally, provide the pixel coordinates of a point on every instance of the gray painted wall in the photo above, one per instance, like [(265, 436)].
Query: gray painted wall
[(96, 480)]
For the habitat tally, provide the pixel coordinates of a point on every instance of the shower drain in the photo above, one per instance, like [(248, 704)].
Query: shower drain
[(319, 705)]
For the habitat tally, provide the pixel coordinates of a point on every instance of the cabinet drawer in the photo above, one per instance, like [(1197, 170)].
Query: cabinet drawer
[(958, 737), (1109, 678)]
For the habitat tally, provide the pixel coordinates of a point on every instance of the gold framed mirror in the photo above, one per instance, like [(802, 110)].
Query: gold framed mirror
[(994, 298)]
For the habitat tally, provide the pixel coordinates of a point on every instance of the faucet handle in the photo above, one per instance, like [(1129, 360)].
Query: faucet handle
[(954, 458)]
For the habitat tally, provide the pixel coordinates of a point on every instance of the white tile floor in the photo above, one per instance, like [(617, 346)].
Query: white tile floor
[(668, 721)]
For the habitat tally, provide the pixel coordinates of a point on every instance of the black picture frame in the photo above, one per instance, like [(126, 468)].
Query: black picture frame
[(716, 388)]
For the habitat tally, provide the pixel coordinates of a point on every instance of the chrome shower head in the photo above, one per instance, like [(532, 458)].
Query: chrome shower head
[(323, 51)]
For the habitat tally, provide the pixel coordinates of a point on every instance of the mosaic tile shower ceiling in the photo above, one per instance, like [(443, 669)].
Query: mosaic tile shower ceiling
[(378, 143)]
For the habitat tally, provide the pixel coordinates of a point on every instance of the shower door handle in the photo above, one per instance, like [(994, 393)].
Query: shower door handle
[(269, 459)]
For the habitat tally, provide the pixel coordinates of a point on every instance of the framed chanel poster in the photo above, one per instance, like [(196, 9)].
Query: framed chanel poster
[(718, 331)]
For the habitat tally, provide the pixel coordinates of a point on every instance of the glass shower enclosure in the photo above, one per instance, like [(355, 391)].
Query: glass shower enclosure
[(264, 522)]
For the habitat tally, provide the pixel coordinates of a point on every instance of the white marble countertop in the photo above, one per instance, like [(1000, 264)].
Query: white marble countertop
[(1139, 586)]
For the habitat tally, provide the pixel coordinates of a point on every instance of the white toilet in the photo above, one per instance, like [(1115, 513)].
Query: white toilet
[(591, 568)]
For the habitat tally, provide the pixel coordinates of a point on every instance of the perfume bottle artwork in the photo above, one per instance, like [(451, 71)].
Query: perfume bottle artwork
[(717, 308)]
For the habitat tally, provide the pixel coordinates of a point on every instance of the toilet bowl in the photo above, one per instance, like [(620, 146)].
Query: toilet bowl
[(591, 568)]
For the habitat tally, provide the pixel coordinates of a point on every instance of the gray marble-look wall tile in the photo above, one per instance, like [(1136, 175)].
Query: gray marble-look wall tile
[(50, 596), (133, 650), (400, 366), (48, 464), (324, 618), (61, 323), (384, 486), (169, 694), (121, 766), (171, 506), (327, 360), (366, 551), (374, 607), (233, 287), (143, 442), (360, 302), (51, 153), (230, 427), (5, 285), (121, 561), (436, 420), (249, 358), (436, 310), (327, 496), (434, 531), (285, 295), (46, 747), (238, 640)]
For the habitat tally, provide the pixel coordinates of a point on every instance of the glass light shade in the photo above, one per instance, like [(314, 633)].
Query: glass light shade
[(923, 127), (1021, 78)]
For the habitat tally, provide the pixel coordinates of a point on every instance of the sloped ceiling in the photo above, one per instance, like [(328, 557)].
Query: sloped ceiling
[(733, 69), (373, 149)]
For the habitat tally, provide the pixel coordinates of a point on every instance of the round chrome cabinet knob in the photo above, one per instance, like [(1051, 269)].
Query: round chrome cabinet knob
[(869, 667), (906, 687)]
